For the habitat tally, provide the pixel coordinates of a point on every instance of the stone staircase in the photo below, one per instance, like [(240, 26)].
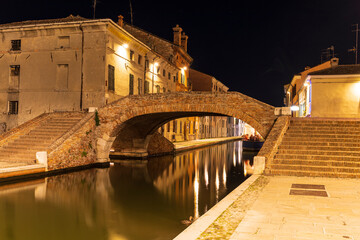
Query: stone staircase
[(23, 148), (313, 147)]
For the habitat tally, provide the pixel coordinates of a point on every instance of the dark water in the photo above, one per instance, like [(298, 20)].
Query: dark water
[(130, 200)]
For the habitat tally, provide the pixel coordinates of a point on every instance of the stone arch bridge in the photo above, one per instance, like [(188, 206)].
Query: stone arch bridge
[(132, 122)]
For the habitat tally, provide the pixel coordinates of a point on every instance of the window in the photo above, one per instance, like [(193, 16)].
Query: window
[(169, 76), (147, 63), (164, 90), (62, 77), (14, 80), (180, 127), (146, 87), (157, 89), (15, 70), (174, 126), (13, 107), (131, 84), (132, 55), (174, 78), (164, 72), (158, 70), (16, 45), (139, 59), (182, 78), (293, 92), (111, 78), (63, 42), (139, 86)]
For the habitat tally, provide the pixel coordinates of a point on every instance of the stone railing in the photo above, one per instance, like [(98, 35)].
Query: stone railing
[(270, 147)]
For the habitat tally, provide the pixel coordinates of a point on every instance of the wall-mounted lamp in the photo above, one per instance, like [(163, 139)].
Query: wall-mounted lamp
[(125, 45)]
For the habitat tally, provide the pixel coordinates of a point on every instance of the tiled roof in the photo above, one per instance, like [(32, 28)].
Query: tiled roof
[(70, 18), (339, 70)]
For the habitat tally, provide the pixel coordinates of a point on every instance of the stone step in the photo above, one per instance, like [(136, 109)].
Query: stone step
[(18, 160), (24, 152), (319, 152), (316, 168), (320, 132), (321, 138), (25, 143), (316, 157), (354, 164), (49, 130), (318, 148), (324, 135), (299, 173), (294, 122), (324, 128), (333, 143), (19, 148)]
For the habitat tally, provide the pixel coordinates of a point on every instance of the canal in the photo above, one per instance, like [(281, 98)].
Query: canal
[(130, 200)]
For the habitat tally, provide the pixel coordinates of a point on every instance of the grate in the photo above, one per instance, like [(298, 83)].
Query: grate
[(308, 190)]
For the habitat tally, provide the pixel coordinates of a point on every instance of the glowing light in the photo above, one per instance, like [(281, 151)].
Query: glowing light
[(156, 64), (185, 68), (206, 176), (356, 88), (294, 108), (224, 177), (125, 45), (196, 195)]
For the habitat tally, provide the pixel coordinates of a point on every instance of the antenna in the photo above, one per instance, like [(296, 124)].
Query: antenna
[(355, 49), (131, 13), (94, 7)]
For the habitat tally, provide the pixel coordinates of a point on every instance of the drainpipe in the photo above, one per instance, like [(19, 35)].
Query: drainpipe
[(82, 67)]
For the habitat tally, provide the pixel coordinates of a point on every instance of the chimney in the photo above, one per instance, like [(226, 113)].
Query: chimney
[(120, 20), (184, 40), (177, 35), (334, 62)]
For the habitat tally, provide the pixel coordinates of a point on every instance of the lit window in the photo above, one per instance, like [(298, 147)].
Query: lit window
[(139, 59), (132, 55)]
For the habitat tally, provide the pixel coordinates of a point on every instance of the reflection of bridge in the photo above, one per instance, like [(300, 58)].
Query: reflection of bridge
[(131, 122)]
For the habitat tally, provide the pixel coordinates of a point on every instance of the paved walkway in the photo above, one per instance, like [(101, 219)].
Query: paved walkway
[(292, 208), (277, 214), (186, 145)]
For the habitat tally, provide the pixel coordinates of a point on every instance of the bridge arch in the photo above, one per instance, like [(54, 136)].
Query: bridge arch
[(134, 119)]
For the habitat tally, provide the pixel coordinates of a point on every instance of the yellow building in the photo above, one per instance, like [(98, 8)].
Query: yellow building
[(330, 92), (297, 94)]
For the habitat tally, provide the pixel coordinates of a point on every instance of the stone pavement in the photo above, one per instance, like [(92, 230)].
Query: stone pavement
[(277, 215), (186, 145)]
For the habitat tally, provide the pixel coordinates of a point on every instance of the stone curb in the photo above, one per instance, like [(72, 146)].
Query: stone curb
[(201, 224), (21, 170)]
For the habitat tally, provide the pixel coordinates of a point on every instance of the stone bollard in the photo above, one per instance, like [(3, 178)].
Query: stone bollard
[(41, 157), (259, 164)]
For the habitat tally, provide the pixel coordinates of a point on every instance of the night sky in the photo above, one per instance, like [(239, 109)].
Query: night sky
[(254, 47)]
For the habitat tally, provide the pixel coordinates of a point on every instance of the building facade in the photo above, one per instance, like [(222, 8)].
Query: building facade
[(71, 64)]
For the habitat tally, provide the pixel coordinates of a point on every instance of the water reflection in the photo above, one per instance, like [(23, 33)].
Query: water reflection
[(129, 200)]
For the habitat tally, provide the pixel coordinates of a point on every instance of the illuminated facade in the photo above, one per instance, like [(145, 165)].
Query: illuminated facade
[(327, 90), (298, 92), (73, 63)]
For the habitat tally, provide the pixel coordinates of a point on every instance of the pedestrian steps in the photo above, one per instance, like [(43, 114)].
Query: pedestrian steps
[(318, 148), (39, 138)]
